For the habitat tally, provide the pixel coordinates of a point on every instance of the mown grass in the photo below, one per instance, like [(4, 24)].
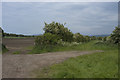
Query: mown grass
[(97, 65)]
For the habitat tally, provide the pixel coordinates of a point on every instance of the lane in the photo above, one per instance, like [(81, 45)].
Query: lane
[(22, 65)]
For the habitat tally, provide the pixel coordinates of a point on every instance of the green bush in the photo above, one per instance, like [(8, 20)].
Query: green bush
[(104, 39), (58, 29), (46, 40), (80, 38), (93, 38), (115, 36), (56, 35)]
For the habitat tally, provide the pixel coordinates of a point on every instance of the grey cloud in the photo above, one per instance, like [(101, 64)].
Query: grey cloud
[(86, 18)]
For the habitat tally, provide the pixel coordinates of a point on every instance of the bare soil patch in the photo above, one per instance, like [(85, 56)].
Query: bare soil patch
[(18, 44)]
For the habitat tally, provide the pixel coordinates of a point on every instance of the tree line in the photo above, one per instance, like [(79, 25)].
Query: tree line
[(13, 35), (16, 35), (57, 34)]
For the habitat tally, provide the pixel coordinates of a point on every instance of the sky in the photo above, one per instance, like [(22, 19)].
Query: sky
[(60, 0), (87, 18)]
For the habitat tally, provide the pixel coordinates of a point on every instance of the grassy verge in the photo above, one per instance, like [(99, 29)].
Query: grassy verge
[(93, 45), (97, 65)]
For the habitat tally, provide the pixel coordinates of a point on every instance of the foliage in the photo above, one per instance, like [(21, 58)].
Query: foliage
[(115, 36), (108, 39), (93, 38), (58, 29), (56, 35), (78, 37), (87, 38), (1, 32), (104, 39), (4, 49), (46, 39), (99, 38)]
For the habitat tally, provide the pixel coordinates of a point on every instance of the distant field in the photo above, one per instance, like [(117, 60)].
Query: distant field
[(16, 37)]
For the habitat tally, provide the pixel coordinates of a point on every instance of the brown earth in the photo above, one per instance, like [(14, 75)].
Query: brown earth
[(21, 65), (18, 44)]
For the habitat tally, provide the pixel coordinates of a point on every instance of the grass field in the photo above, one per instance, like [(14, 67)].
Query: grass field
[(97, 65), (93, 45)]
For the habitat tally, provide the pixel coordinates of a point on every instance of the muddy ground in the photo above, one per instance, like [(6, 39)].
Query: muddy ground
[(22, 65)]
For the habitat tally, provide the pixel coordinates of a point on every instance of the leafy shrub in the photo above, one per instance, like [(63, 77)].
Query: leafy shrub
[(56, 35), (115, 36), (93, 38), (87, 38), (58, 29), (46, 40), (80, 38), (104, 39), (100, 38)]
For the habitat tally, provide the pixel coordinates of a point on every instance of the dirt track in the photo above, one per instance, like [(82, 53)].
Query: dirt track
[(21, 65)]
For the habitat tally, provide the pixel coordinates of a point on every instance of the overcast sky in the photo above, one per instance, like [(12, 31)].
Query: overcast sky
[(87, 18)]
